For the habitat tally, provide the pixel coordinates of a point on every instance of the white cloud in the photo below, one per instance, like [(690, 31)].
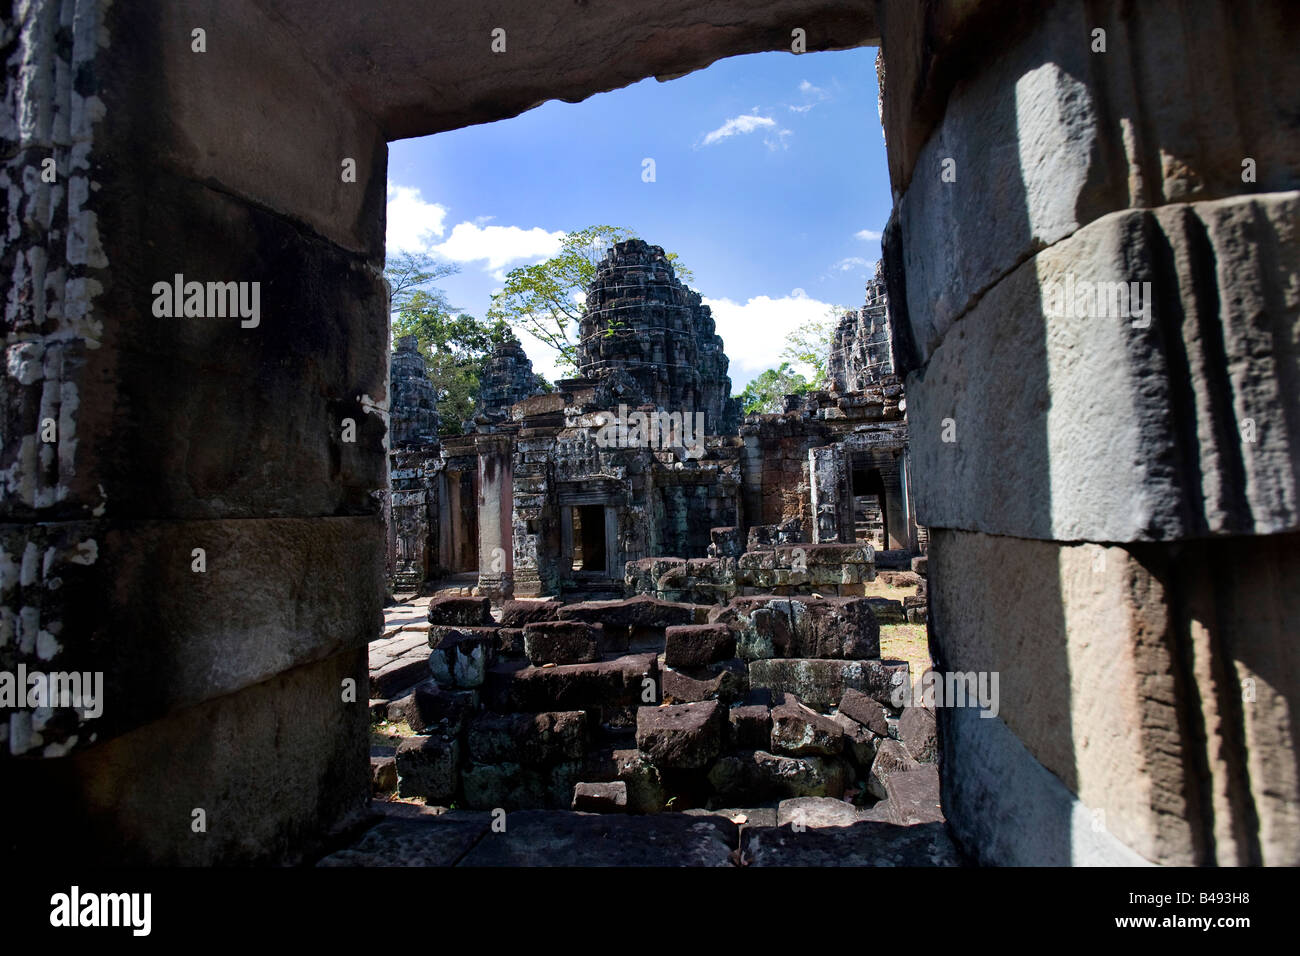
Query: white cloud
[(851, 263), (413, 224), (498, 245), (755, 332), (803, 109), (745, 123), (808, 89), (870, 235)]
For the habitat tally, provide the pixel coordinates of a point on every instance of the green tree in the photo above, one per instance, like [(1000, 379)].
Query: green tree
[(542, 299), (765, 394), (810, 346), (455, 344), (413, 273)]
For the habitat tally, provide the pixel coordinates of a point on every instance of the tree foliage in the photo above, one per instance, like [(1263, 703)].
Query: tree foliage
[(810, 346), (765, 394), (546, 299), (455, 344)]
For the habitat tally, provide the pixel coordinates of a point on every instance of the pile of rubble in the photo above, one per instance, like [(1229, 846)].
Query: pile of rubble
[(642, 705)]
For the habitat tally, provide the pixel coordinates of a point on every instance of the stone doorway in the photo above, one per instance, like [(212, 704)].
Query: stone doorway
[(870, 513)]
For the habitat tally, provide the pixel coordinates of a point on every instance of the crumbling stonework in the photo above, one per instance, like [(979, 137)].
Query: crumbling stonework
[(1105, 485), (655, 705), (654, 340)]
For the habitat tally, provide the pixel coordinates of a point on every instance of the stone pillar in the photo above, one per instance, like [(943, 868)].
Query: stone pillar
[(192, 500), (495, 506), (1108, 475), (829, 487)]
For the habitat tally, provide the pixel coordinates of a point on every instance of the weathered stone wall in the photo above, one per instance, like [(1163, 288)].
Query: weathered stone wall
[(179, 433), (1078, 466), (861, 351)]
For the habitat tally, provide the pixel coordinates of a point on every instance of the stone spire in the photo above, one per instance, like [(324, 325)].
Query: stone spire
[(413, 409), (643, 322), (507, 378), (861, 348)]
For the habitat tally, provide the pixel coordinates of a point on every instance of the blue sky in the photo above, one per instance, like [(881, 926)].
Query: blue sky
[(770, 183)]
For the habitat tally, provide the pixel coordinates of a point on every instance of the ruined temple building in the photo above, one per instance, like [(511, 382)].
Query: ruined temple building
[(639, 476)]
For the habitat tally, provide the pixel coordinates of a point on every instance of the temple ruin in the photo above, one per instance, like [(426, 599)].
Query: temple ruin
[(640, 475), (194, 509)]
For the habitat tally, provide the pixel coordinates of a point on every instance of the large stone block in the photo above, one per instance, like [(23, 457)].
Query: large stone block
[(681, 736), (1104, 459), (428, 767), (608, 687), (1042, 128), (278, 768), (697, 645), (128, 600), (834, 628), (461, 656), (456, 611), (563, 642), (822, 683), (529, 739), (799, 730)]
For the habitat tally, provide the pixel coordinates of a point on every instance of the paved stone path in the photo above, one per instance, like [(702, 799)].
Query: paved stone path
[(828, 833)]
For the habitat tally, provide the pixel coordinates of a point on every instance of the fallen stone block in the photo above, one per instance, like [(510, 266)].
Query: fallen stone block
[(725, 681), (431, 709), (383, 773), (760, 775), (508, 786), (801, 731), (612, 688), (454, 611), (900, 579), (801, 627), (680, 736), (461, 656), (600, 797), (641, 611), (427, 767), (518, 613), (891, 757), (886, 610), (913, 796), (645, 790), (822, 683), (919, 734), (399, 674), (533, 740), (818, 812), (859, 742), (751, 727), (866, 711), (563, 642), (697, 645)]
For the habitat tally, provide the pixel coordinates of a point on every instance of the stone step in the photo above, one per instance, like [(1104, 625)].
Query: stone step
[(399, 674), (601, 686)]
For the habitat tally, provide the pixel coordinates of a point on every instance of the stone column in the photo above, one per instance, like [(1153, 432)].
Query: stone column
[(1108, 475), (192, 500), (495, 507)]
